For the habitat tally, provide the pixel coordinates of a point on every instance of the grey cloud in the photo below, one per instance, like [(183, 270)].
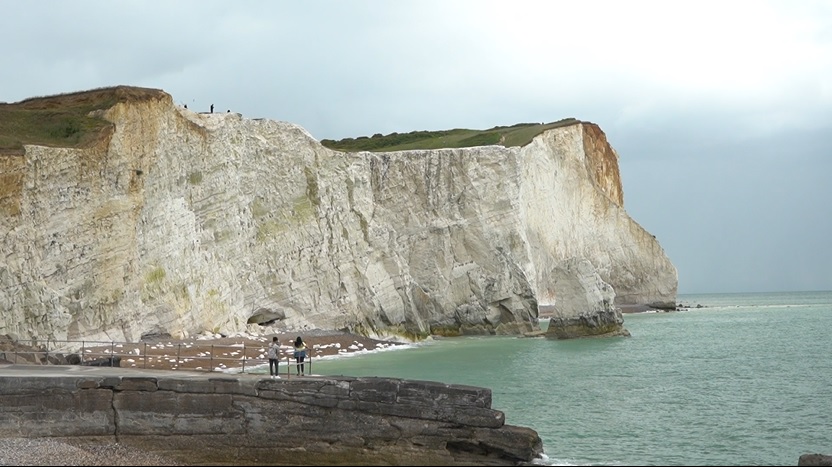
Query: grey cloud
[(730, 180)]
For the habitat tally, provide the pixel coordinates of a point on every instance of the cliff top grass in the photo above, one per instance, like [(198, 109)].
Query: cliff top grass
[(63, 120), (520, 134), (68, 120)]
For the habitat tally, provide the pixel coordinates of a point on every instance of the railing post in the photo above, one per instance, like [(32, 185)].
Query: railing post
[(112, 353), (47, 351), (178, 352), (244, 357), (211, 359), (82, 351), (145, 355)]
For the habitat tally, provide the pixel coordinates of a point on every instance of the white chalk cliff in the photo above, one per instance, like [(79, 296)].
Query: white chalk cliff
[(186, 223)]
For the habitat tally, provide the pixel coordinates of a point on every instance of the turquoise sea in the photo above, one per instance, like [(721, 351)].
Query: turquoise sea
[(744, 380)]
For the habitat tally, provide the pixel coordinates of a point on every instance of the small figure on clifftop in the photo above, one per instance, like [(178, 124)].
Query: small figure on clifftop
[(274, 354), (212, 108), (300, 355)]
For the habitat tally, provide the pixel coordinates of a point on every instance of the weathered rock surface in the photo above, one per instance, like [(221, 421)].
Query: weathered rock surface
[(814, 460), (580, 285), (181, 223), (200, 419)]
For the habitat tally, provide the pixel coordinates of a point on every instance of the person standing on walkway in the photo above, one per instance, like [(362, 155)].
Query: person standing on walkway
[(274, 354), (300, 355)]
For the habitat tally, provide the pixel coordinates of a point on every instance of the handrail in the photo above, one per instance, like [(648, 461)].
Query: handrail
[(103, 353)]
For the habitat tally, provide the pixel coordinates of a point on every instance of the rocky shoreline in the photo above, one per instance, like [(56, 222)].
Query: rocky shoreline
[(320, 344), (204, 352)]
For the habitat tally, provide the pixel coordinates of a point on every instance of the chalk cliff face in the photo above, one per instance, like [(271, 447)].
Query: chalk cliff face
[(186, 223)]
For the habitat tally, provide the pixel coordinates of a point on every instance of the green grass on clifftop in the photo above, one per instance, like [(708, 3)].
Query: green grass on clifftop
[(520, 134), (69, 120), (62, 120)]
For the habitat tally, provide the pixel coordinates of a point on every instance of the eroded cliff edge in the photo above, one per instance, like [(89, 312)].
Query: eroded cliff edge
[(182, 223)]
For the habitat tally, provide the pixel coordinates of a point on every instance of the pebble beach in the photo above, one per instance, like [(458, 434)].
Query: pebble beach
[(47, 451)]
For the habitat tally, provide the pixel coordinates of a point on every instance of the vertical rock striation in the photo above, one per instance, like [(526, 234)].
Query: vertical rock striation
[(183, 223)]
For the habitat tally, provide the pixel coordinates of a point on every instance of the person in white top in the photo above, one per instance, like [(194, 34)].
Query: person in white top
[(274, 354)]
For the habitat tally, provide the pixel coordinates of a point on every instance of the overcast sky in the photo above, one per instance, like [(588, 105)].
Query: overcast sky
[(720, 111)]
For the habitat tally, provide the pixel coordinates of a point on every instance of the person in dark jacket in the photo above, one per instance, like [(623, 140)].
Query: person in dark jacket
[(300, 355)]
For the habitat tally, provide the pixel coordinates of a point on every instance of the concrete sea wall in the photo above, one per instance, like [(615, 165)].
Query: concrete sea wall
[(238, 419)]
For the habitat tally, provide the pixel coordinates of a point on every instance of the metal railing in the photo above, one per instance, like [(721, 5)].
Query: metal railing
[(195, 356)]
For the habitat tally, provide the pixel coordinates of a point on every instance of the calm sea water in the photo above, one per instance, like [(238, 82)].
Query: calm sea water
[(745, 380)]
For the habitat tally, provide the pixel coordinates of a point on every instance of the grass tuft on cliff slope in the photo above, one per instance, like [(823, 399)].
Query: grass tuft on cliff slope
[(63, 120), (520, 134)]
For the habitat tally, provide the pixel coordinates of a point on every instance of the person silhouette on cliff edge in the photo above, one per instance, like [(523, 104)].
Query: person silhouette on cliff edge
[(274, 354), (212, 108), (300, 355)]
